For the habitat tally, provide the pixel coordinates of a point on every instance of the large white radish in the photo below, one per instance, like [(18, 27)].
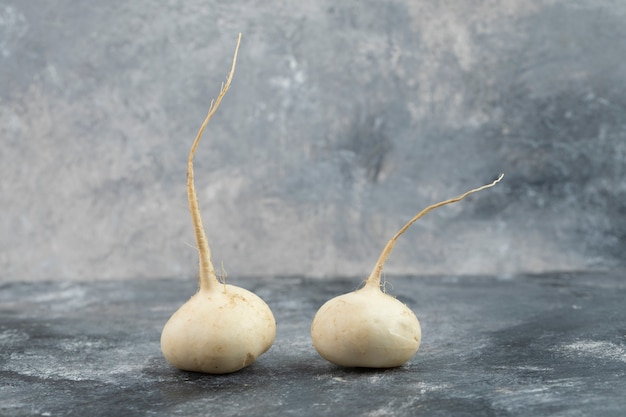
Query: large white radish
[(368, 327), (222, 328)]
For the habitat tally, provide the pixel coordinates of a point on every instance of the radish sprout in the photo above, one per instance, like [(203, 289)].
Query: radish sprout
[(367, 327), (222, 328)]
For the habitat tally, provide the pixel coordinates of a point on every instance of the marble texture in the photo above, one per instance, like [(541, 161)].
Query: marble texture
[(540, 345), (343, 121)]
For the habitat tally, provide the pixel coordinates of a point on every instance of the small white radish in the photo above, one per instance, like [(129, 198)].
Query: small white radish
[(222, 328), (367, 327)]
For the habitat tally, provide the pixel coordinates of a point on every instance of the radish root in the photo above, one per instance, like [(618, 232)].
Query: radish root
[(222, 328), (369, 328)]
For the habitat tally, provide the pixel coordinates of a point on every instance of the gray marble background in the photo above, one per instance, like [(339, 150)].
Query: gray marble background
[(343, 121)]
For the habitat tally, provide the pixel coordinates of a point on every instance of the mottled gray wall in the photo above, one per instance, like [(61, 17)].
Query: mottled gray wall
[(344, 120)]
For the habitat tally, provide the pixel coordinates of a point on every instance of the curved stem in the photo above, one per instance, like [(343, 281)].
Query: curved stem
[(374, 278), (207, 277)]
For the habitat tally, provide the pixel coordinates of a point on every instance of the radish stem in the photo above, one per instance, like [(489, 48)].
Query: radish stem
[(207, 278), (374, 278)]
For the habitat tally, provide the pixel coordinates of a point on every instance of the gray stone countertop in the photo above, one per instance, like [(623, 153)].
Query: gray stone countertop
[(552, 344)]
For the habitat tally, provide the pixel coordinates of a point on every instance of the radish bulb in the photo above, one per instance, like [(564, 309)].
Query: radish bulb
[(222, 328), (368, 327)]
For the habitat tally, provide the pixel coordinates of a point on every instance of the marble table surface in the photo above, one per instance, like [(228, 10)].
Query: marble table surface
[(524, 345)]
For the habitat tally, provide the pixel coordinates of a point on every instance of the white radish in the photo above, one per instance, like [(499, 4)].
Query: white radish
[(367, 327), (222, 328)]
